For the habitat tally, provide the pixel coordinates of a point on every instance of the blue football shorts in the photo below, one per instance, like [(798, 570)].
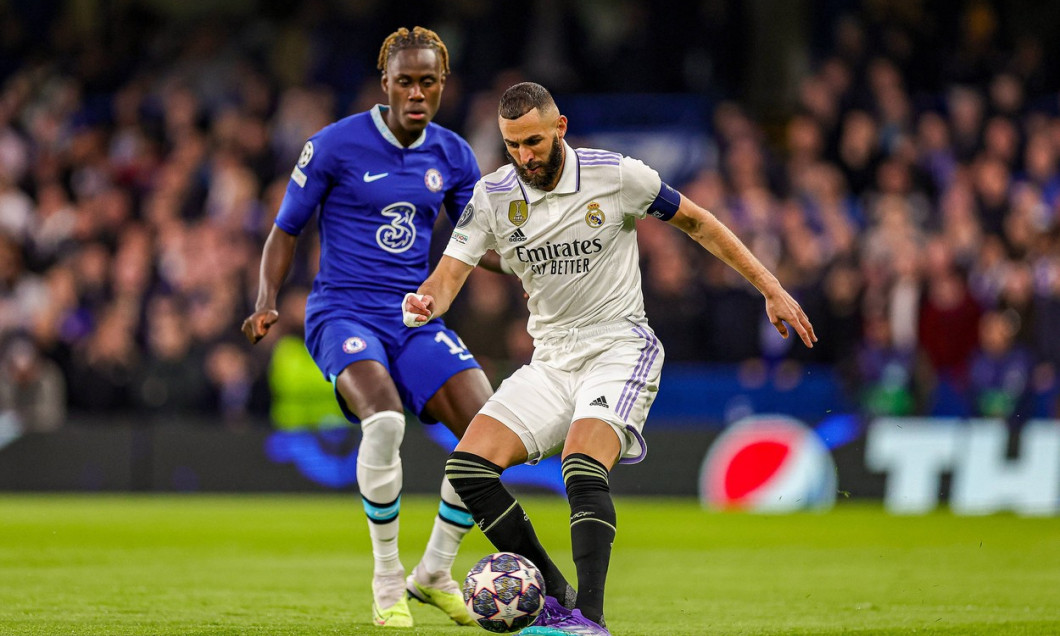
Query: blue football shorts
[(419, 360)]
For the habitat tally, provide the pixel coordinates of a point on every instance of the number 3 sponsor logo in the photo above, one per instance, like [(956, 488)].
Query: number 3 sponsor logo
[(398, 235)]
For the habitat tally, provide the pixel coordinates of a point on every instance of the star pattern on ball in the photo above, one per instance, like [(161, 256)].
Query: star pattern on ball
[(528, 577), (484, 580), (508, 612)]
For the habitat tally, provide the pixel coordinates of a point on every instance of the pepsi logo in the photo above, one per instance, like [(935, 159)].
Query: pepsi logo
[(768, 463)]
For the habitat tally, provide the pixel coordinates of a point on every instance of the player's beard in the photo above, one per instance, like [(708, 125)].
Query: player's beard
[(550, 167)]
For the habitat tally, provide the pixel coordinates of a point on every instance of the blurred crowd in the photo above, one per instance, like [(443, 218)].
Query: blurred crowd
[(910, 198)]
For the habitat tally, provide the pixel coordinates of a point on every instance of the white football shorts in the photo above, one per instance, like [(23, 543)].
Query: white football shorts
[(608, 372)]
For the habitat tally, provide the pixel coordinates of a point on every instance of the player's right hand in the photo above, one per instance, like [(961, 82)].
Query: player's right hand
[(415, 310), (258, 323)]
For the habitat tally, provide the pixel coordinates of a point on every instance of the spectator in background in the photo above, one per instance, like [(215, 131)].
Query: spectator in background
[(859, 151), (965, 111), (171, 382), (889, 379), (675, 304), (839, 304), (1016, 300), (106, 364), (949, 325), (22, 293), (16, 207), (1040, 168), (1000, 368), (32, 387), (227, 367)]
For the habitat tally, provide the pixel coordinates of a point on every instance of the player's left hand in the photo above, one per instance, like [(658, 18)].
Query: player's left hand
[(782, 308), (258, 324), (416, 309)]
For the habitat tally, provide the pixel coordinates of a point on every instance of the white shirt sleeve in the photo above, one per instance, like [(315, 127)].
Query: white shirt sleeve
[(473, 234), (640, 186)]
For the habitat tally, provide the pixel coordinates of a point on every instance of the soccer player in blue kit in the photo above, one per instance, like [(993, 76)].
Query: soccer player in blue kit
[(379, 179)]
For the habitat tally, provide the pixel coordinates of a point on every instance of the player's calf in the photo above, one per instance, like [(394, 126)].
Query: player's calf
[(498, 514), (592, 529)]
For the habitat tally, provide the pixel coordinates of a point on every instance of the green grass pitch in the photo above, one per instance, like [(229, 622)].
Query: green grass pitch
[(283, 565)]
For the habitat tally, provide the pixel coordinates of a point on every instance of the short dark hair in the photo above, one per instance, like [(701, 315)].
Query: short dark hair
[(523, 98)]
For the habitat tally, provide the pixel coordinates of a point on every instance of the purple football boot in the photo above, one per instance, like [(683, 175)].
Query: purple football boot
[(570, 624)]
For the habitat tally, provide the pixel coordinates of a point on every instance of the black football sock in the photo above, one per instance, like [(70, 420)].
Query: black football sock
[(501, 518), (592, 529)]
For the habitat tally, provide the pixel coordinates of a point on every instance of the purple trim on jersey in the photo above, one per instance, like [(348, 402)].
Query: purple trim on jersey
[(598, 157), (666, 203), (503, 185), (590, 152), (636, 382), (643, 447), (577, 172), (519, 182)]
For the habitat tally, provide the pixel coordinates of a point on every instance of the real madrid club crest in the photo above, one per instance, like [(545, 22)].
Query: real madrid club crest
[(518, 213), (595, 216), (433, 179)]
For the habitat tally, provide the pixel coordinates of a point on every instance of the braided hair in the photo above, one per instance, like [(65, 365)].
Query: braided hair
[(417, 38)]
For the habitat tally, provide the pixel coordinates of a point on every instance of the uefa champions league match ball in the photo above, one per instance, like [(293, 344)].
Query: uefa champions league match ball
[(504, 592)]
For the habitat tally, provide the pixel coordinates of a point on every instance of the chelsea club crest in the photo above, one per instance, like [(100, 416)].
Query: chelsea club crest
[(433, 179), (354, 344)]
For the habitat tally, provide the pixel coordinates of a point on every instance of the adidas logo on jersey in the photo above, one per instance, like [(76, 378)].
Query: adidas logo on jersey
[(517, 236), (600, 401)]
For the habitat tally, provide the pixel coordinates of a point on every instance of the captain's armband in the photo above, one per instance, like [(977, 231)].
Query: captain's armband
[(665, 205)]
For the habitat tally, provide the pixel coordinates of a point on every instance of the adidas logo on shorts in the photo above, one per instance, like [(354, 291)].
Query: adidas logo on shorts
[(600, 401), (517, 236)]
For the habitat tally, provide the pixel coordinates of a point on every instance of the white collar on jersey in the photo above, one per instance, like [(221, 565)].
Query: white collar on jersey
[(570, 180), (384, 130)]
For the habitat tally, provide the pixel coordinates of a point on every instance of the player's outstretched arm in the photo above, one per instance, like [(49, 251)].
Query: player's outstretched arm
[(436, 294), (720, 241), (276, 260)]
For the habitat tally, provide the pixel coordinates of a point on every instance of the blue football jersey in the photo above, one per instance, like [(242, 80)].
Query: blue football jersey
[(378, 202)]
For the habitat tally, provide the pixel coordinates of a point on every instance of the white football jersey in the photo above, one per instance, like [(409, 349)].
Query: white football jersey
[(574, 248)]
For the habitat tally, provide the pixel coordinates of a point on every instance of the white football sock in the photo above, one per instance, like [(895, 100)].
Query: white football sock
[(379, 479), (450, 527)]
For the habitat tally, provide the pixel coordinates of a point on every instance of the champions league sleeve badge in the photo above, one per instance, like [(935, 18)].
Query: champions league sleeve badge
[(307, 154), (297, 175), (466, 215)]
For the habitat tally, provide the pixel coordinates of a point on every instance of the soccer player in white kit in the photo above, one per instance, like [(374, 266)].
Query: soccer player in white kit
[(564, 221)]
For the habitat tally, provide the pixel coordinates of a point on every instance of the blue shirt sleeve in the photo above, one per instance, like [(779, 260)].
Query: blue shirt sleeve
[(457, 198), (310, 182)]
